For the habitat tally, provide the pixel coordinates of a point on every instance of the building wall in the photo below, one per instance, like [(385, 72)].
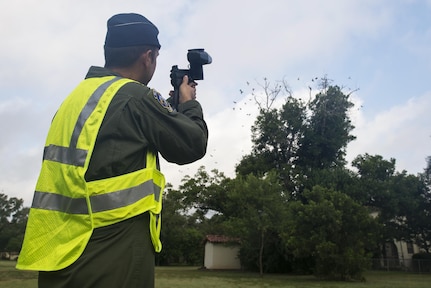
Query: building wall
[(219, 256), (208, 255), (406, 250), (398, 254)]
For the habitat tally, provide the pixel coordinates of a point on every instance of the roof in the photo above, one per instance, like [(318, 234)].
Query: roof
[(220, 239)]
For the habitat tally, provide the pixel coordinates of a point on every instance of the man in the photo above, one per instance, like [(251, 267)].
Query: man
[(94, 220)]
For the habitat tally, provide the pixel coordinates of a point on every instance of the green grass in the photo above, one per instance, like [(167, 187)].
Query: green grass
[(11, 277), (191, 277)]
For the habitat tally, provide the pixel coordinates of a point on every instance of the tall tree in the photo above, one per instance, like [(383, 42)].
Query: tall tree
[(275, 133), (328, 130), (300, 137), (278, 132)]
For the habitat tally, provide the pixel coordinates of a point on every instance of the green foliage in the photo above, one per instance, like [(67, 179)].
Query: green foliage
[(327, 131), (13, 219), (258, 210), (413, 200), (419, 222), (403, 201), (205, 193), (275, 134), (374, 173), (256, 164), (333, 229), (300, 137), (336, 178), (260, 204), (180, 234), (293, 202), (278, 132)]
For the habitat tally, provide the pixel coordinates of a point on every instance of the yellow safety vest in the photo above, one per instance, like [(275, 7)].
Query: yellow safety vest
[(65, 207)]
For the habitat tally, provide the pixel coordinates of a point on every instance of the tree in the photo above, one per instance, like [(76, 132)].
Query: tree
[(259, 204), (403, 201), (416, 206), (300, 137), (293, 199), (328, 130), (276, 132), (180, 234), (334, 230), (374, 174), (236, 207), (426, 175), (205, 193), (191, 212), (13, 219)]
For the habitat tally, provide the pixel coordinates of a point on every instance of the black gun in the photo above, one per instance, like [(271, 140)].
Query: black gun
[(197, 58)]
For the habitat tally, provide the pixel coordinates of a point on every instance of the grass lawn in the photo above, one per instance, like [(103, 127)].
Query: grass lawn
[(191, 277)]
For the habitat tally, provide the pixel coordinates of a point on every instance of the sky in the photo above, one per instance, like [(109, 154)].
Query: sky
[(380, 50)]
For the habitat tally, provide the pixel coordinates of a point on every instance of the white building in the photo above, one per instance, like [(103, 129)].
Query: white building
[(221, 252)]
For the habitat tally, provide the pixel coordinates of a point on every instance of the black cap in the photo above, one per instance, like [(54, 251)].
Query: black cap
[(130, 29)]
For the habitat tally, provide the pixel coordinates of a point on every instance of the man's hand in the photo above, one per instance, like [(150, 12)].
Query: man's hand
[(187, 91)]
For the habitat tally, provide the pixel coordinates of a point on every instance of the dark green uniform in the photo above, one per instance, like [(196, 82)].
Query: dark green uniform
[(122, 255)]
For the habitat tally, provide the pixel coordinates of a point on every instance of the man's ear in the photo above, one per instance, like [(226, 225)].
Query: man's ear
[(152, 55), (145, 58)]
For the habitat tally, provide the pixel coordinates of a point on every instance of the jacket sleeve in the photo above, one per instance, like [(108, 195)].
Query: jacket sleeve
[(180, 137)]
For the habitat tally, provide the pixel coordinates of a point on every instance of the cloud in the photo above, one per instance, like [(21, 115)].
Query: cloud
[(401, 132)]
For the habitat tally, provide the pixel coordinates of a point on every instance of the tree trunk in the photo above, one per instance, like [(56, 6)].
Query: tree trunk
[(262, 235)]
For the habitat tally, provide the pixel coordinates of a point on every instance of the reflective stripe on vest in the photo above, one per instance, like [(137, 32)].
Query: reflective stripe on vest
[(71, 155), (99, 203), (65, 207)]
